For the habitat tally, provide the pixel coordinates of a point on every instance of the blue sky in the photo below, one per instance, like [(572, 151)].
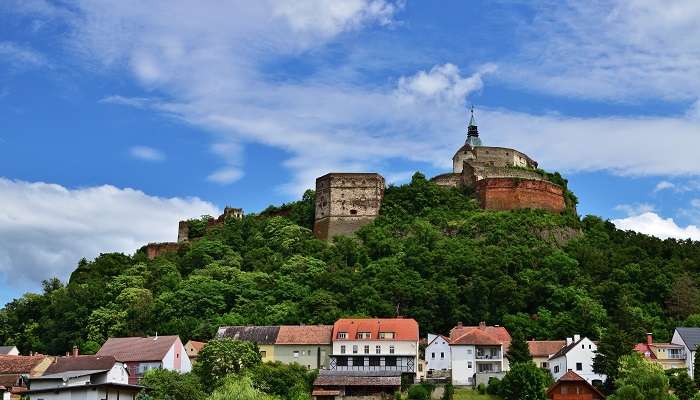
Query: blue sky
[(118, 119)]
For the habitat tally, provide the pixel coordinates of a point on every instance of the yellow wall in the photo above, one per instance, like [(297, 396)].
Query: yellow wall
[(269, 351)]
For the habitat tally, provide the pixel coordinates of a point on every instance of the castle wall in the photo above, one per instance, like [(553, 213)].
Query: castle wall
[(447, 180), (492, 156), (515, 193), (345, 202), (183, 232), (474, 171), (154, 250)]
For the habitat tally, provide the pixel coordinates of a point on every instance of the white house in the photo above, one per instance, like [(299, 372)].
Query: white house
[(577, 355), (83, 377), (438, 357), (689, 338), (478, 353), (9, 351)]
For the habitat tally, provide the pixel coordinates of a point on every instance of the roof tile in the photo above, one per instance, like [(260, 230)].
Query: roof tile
[(404, 329), (138, 348), (304, 334)]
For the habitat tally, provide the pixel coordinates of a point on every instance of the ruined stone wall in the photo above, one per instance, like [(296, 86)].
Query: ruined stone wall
[(154, 250), (475, 171), (183, 232), (493, 156), (447, 180), (345, 202), (514, 193)]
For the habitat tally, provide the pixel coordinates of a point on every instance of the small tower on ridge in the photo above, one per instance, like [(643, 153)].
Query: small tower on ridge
[(473, 131)]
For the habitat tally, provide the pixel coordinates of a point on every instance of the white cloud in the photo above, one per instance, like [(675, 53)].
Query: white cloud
[(652, 224), (664, 185), (45, 229), (225, 176), (20, 56), (146, 153), (443, 83), (635, 209), (618, 49)]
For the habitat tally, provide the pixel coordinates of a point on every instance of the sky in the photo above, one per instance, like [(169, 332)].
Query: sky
[(117, 119)]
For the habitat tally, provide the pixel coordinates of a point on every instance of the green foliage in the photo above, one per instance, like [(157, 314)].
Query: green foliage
[(481, 388), (222, 357), (613, 345), (239, 388), (288, 381), (197, 227), (640, 379), (418, 392), (162, 384), (524, 381), (448, 392), (518, 351), (682, 384), (494, 386)]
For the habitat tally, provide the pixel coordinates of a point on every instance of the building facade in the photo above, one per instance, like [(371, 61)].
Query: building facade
[(572, 386), (689, 339), (668, 355), (541, 350), (478, 353), (577, 355), (438, 356)]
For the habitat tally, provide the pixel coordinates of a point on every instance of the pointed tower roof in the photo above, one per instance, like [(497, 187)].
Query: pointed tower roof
[(473, 131)]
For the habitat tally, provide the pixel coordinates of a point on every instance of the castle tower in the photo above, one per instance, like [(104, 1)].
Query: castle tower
[(473, 131), (345, 202)]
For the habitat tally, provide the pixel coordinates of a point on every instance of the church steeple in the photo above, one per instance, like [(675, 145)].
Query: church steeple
[(473, 131)]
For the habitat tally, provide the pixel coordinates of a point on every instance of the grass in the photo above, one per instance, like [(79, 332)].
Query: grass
[(468, 394)]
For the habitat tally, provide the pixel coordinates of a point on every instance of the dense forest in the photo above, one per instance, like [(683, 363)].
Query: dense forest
[(433, 255)]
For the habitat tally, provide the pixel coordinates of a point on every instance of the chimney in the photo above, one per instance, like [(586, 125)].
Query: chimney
[(459, 323), (482, 325), (577, 338), (569, 341), (650, 339), (76, 351)]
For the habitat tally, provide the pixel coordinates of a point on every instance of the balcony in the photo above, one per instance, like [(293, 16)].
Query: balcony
[(373, 363)]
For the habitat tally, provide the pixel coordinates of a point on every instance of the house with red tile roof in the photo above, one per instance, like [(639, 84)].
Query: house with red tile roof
[(143, 353), (308, 345), (192, 348), (577, 355), (541, 350), (13, 370), (668, 355), (478, 353), (572, 386)]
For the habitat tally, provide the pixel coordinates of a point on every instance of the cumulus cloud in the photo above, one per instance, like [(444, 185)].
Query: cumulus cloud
[(664, 185), (45, 229), (618, 49), (652, 224), (146, 153), (225, 176)]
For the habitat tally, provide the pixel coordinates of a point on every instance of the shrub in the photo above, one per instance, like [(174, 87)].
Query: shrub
[(418, 392), (449, 392)]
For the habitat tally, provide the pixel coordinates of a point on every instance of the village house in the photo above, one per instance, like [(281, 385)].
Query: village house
[(478, 353), (688, 338), (438, 357), (143, 353), (13, 370), (9, 351), (577, 355), (572, 386), (192, 348), (541, 350), (668, 355), (263, 336), (83, 377)]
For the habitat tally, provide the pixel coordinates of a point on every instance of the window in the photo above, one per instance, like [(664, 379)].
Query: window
[(391, 349), (544, 365), (354, 349), (390, 361), (432, 355), (378, 349), (263, 353), (579, 366), (386, 335), (342, 335), (442, 355), (364, 335), (342, 349), (366, 349), (590, 347), (469, 364), (296, 354), (556, 369), (374, 361), (469, 351), (353, 212), (358, 361), (342, 362)]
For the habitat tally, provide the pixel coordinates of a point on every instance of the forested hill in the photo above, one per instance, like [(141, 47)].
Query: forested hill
[(432, 255)]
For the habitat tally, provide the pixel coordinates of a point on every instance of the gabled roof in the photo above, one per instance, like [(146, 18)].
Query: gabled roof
[(19, 364), (5, 350), (80, 363), (404, 329), (690, 336), (257, 334), (138, 348), (545, 348), (477, 337), (494, 335), (571, 376), (445, 338), (566, 349), (645, 350), (197, 346), (304, 334)]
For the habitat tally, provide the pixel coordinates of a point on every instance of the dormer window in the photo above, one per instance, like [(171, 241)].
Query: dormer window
[(386, 335), (342, 335), (364, 335)]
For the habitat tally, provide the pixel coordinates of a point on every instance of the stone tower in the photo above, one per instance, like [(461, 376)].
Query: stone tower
[(345, 202)]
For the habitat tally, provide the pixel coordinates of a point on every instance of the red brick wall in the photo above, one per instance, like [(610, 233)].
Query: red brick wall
[(153, 250), (514, 193)]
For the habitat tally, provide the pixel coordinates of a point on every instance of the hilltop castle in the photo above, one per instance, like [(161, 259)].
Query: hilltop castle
[(501, 178)]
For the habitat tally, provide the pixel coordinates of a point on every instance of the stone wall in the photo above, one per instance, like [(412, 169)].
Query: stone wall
[(154, 250), (514, 193), (345, 202), (474, 171), (494, 156), (447, 180)]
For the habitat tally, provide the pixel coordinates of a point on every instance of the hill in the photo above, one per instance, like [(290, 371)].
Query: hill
[(433, 255)]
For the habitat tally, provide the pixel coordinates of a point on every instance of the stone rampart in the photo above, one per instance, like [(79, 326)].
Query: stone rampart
[(515, 193)]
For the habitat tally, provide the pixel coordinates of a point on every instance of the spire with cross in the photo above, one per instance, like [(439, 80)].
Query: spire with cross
[(473, 131)]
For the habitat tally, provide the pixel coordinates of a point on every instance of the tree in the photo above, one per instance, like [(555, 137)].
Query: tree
[(418, 392), (163, 384), (221, 357), (614, 344), (525, 381), (682, 385), (696, 370), (640, 379), (518, 350), (239, 388), (285, 380)]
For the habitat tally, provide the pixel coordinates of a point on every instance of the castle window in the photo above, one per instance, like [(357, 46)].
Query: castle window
[(353, 212)]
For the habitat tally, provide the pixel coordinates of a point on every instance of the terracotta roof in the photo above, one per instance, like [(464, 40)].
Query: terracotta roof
[(257, 334), (138, 348), (477, 337), (80, 363), (571, 376), (494, 335), (9, 380), (197, 346), (545, 348), (645, 350), (403, 328), (19, 364), (305, 334)]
